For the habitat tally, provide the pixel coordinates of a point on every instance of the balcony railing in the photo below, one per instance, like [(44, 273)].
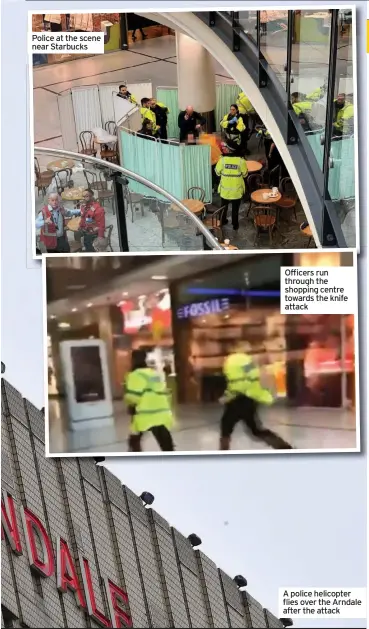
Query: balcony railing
[(312, 54), (139, 215)]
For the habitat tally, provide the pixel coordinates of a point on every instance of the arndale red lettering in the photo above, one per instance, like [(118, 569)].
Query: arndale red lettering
[(66, 573)]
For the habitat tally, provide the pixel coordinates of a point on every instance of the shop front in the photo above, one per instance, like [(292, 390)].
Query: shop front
[(309, 359), (118, 28)]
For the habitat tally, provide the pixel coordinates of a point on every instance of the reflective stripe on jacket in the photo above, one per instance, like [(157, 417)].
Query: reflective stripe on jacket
[(231, 171), (148, 394), (226, 124), (148, 114), (244, 104), (243, 378)]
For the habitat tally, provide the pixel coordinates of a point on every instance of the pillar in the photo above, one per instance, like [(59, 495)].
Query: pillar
[(196, 78), (106, 316)]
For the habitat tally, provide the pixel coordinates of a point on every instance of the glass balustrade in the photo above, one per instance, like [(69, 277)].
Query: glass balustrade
[(107, 208)]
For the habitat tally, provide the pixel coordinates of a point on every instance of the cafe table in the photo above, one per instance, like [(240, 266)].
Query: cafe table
[(253, 166), (73, 194), (194, 205), (60, 164), (258, 196)]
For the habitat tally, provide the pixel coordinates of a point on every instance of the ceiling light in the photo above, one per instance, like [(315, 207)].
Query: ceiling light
[(90, 304), (159, 277), (63, 325), (74, 309), (125, 294), (52, 317)]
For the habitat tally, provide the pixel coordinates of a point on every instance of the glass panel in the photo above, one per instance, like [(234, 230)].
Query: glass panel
[(309, 73), (247, 21), (273, 41), (154, 220), (341, 182)]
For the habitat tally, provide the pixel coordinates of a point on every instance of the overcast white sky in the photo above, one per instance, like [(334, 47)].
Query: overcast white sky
[(279, 521)]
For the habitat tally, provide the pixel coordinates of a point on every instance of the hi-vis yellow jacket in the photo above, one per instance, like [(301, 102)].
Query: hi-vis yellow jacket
[(244, 104), (148, 114), (243, 378), (240, 126), (232, 171), (148, 394), (344, 119)]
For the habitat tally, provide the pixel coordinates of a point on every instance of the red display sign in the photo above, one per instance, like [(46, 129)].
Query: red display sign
[(41, 559)]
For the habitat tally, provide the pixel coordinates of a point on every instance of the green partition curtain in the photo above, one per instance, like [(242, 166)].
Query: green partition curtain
[(314, 141), (341, 182), (226, 94), (196, 168), (157, 162), (342, 176), (169, 96)]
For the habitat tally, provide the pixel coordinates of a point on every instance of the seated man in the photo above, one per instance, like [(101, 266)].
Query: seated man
[(51, 220), (92, 223)]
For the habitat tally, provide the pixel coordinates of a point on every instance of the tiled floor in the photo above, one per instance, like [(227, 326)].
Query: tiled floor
[(198, 430)]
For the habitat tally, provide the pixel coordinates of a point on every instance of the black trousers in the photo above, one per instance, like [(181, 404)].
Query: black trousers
[(163, 133), (88, 241), (235, 208), (243, 408), (162, 436)]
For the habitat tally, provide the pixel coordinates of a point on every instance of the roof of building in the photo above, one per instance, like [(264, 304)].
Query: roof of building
[(139, 535)]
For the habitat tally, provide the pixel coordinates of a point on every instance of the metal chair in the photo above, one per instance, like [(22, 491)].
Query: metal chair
[(110, 154), (289, 196), (63, 179), (42, 179), (253, 183), (265, 220), (86, 139), (214, 222), (196, 193)]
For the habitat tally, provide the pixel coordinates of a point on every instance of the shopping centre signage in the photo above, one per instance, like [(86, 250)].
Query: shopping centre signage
[(40, 554), (202, 308)]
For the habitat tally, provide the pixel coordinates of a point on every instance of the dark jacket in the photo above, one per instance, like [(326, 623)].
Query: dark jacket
[(187, 127)]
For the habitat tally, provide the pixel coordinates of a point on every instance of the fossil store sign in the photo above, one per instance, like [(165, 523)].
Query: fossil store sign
[(42, 559)]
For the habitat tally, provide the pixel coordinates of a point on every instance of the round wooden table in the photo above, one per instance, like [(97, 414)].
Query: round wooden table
[(253, 167), (257, 196), (73, 194), (195, 206), (229, 247), (59, 164), (73, 224)]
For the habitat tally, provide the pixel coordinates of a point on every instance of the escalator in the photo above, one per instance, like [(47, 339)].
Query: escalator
[(239, 42)]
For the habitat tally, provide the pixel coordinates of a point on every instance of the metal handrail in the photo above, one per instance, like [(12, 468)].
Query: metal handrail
[(131, 175)]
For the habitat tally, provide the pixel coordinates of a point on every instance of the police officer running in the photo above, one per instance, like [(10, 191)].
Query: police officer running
[(243, 393), (232, 171), (148, 401)]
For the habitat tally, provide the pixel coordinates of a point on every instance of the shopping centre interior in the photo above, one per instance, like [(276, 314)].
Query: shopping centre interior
[(295, 70), (187, 312)]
